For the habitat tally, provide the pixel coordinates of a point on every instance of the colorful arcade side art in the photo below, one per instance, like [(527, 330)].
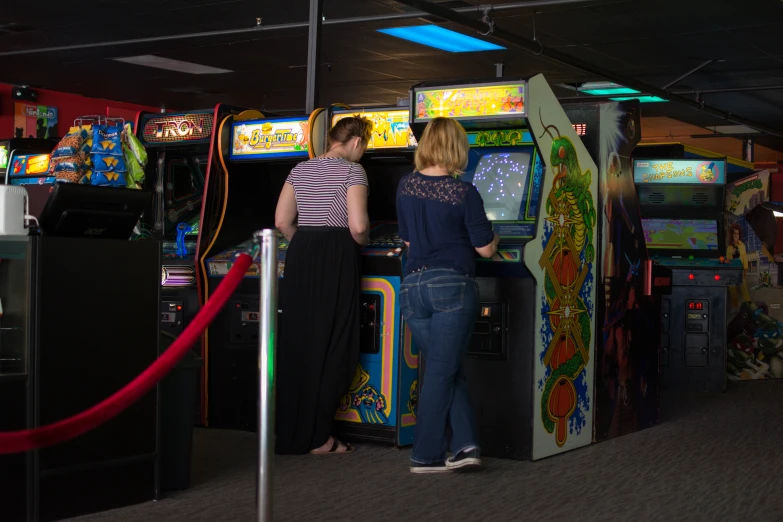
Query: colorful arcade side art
[(755, 331), (626, 396), (566, 256)]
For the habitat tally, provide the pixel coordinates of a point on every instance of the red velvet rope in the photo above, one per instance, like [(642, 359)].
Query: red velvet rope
[(25, 440)]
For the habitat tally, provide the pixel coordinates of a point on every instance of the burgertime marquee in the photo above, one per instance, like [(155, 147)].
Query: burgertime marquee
[(270, 139)]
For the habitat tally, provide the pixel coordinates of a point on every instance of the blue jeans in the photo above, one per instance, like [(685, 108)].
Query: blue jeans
[(440, 306)]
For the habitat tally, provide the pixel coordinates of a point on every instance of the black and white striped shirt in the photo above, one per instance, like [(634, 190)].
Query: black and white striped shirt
[(321, 188)]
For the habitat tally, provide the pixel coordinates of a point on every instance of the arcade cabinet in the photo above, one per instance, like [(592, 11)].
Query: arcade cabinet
[(180, 148), (530, 363), (25, 162), (256, 155), (755, 236), (630, 285), (381, 403), (682, 219)]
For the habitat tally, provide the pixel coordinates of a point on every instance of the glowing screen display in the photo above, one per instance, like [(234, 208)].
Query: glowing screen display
[(681, 234), (478, 101), (501, 180)]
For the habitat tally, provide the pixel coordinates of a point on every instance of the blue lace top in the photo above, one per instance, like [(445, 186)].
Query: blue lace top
[(443, 219)]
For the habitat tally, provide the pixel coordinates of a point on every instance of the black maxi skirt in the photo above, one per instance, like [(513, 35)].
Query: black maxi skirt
[(319, 335)]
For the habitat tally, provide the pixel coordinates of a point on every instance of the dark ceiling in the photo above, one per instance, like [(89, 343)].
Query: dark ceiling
[(654, 41)]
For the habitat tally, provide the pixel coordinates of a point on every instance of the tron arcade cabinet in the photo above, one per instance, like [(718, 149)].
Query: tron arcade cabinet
[(682, 217), (180, 149), (256, 155), (530, 364), (381, 404)]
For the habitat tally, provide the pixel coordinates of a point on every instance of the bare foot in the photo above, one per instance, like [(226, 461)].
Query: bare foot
[(332, 446)]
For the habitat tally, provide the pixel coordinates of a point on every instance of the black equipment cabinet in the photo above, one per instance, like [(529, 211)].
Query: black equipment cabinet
[(80, 323)]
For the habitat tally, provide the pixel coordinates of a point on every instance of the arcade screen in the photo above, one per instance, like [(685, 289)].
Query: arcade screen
[(501, 176), (681, 234)]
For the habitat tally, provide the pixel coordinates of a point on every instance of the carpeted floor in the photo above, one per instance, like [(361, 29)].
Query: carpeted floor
[(714, 458)]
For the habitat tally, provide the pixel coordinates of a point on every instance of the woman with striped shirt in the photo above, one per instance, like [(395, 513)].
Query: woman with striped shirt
[(322, 211)]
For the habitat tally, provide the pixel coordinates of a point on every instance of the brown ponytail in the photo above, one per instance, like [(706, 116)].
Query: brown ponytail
[(351, 127)]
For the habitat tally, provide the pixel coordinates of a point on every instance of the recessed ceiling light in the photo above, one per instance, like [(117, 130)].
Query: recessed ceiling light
[(440, 38), (158, 62), (642, 99), (605, 89)]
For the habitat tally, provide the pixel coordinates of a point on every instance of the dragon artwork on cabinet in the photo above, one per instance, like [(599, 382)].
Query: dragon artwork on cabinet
[(567, 261)]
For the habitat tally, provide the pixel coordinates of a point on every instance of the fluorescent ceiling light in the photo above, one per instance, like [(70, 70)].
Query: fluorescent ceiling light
[(642, 99), (158, 62), (440, 38), (611, 91)]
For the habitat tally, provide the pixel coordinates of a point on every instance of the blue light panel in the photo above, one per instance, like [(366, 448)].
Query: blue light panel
[(440, 38)]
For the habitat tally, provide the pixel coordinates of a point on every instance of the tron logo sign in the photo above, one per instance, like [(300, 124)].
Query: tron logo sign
[(178, 128)]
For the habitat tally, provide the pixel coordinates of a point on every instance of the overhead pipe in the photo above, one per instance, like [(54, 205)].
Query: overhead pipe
[(259, 27), (536, 48)]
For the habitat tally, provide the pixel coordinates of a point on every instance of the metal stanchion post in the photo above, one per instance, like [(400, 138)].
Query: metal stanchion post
[(267, 240)]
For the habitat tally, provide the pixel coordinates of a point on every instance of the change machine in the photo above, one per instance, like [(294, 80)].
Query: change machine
[(531, 360), (682, 218), (257, 153), (381, 403)]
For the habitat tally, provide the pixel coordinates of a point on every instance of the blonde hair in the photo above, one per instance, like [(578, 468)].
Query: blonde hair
[(444, 144)]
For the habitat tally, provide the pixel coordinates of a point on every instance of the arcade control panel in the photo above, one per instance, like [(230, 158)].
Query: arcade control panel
[(693, 323), (219, 265)]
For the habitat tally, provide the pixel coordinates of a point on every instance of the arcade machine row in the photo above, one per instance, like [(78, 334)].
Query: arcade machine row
[(382, 400), (180, 148), (530, 363), (630, 285), (682, 218), (256, 154)]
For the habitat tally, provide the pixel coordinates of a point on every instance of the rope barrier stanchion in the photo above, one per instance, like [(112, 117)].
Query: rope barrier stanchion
[(267, 240), (25, 440)]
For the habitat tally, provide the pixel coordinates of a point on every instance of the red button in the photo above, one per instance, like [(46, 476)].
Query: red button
[(717, 277), (691, 276), (179, 307)]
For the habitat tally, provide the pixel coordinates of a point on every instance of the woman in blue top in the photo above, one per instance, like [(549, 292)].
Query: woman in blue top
[(443, 223)]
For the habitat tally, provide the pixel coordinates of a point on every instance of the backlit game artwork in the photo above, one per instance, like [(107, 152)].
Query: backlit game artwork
[(390, 129), (681, 234), (501, 181), (273, 138), (464, 102)]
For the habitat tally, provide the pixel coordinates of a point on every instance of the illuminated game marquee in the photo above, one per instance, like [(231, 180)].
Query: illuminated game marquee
[(475, 102), (681, 172), (390, 129), (172, 128), (269, 139)]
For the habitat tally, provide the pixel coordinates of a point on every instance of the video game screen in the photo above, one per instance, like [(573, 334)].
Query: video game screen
[(501, 177), (681, 234)]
